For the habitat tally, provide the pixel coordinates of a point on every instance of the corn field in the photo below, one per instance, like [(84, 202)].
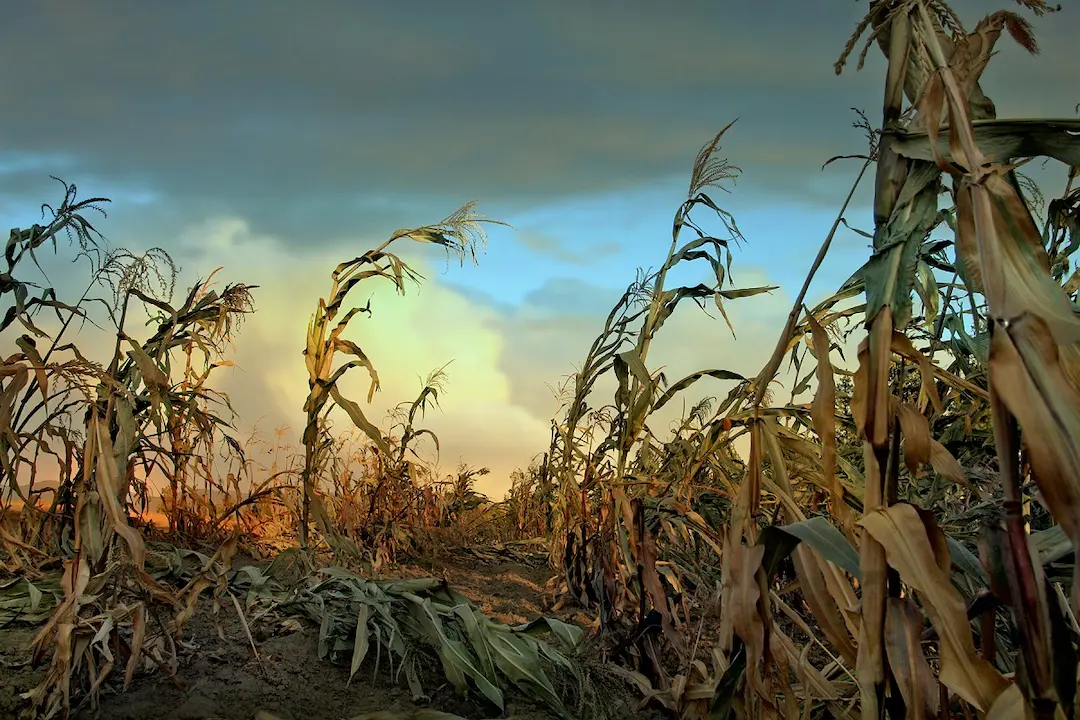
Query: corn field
[(893, 540)]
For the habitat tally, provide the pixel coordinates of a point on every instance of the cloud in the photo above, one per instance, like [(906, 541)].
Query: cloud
[(548, 338), (548, 246), (406, 338), (279, 144), (289, 121), (503, 359)]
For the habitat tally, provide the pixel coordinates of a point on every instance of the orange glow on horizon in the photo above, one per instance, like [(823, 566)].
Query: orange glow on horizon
[(156, 519)]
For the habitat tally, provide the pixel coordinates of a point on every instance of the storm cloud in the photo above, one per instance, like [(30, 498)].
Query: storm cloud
[(279, 139)]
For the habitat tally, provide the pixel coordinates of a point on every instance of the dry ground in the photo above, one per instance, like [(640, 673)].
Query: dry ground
[(222, 678)]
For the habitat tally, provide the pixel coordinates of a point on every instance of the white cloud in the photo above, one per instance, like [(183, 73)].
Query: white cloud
[(497, 407), (406, 337)]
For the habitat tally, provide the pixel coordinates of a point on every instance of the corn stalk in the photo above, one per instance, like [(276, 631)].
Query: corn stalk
[(460, 234)]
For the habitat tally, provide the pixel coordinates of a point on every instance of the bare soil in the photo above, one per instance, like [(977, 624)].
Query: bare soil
[(222, 678)]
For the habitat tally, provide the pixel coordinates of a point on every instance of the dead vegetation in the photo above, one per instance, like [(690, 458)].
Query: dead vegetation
[(899, 546)]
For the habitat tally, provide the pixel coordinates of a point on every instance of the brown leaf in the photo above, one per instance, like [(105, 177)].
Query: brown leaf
[(28, 347), (361, 422), (1004, 140), (785, 649), (1027, 376), (655, 589), (916, 431), (903, 645), (753, 475), (825, 606), (743, 603), (1010, 705), (823, 413), (902, 346), (995, 227), (923, 563), (931, 109), (947, 466), (920, 448), (1014, 263), (137, 636), (155, 380), (109, 480), (861, 383), (874, 579), (878, 415)]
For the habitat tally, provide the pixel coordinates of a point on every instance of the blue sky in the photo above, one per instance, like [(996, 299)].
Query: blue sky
[(278, 142)]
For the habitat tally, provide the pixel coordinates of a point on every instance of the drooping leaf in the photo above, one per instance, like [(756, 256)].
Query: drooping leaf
[(817, 532), (917, 549)]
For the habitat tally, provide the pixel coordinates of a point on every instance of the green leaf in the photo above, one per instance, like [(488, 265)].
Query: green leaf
[(820, 534), (637, 367), (473, 629), (360, 640), (966, 560), (458, 663), (570, 636), (1052, 544), (518, 658), (729, 686)]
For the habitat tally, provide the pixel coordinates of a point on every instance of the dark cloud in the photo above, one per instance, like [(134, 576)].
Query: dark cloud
[(286, 116)]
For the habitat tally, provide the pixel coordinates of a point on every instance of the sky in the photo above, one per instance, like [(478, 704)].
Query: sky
[(277, 142)]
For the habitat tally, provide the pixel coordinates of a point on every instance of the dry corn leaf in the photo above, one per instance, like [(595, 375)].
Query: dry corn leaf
[(995, 231), (903, 347), (946, 465), (916, 431), (753, 476), (137, 636), (923, 563), (109, 480), (823, 413), (1010, 705), (920, 448), (824, 605), (870, 665), (1027, 375), (798, 657), (26, 344), (741, 607), (903, 645), (358, 418), (1004, 140), (654, 588)]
